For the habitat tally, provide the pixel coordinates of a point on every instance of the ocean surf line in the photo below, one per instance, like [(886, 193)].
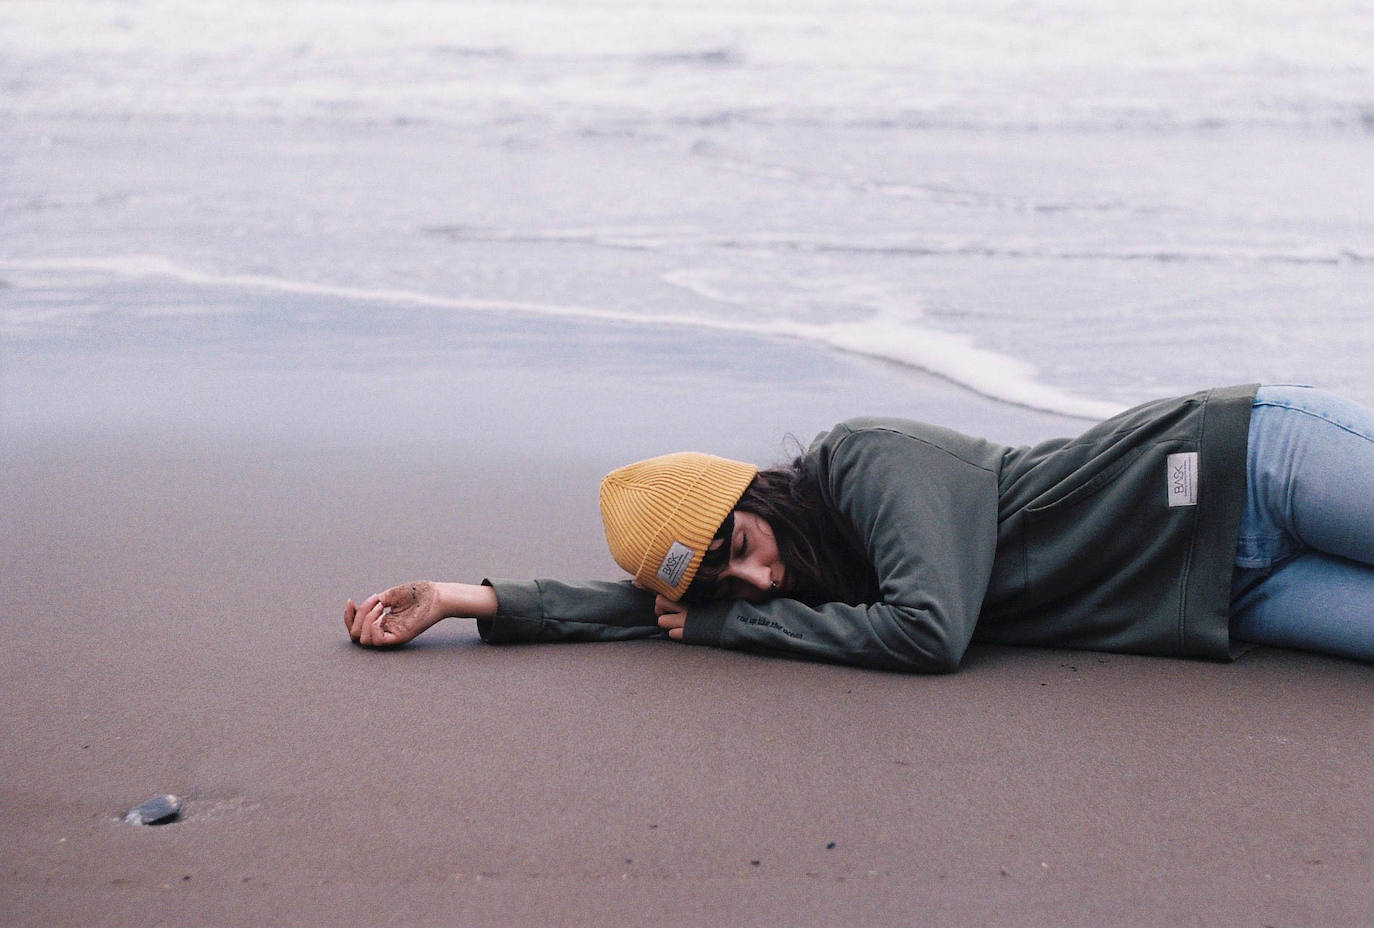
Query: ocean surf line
[(951, 356)]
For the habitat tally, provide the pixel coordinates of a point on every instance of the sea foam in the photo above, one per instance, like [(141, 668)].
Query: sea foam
[(884, 336)]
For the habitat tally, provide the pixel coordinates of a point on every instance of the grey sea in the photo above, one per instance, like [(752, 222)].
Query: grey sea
[(1065, 206)]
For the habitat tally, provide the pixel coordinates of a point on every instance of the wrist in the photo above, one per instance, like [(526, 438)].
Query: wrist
[(467, 600)]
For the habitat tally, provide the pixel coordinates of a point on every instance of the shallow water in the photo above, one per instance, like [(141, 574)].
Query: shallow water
[(1067, 206)]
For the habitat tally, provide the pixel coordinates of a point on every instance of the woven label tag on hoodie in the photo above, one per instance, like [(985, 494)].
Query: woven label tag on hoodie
[(1182, 479), (674, 563)]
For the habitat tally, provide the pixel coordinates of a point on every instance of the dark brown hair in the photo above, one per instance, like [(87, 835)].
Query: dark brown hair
[(822, 564)]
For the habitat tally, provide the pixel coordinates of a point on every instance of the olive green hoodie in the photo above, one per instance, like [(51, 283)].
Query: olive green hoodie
[(1121, 540)]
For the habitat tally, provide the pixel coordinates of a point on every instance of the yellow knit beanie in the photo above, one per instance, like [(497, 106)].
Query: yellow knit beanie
[(660, 514)]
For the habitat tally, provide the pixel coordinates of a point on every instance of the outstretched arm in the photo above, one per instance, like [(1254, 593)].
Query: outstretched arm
[(507, 611), (399, 614)]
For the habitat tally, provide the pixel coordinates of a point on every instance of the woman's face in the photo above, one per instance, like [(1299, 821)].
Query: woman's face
[(754, 571)]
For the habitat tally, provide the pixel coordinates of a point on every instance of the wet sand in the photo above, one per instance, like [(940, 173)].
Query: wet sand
[(176, 577)]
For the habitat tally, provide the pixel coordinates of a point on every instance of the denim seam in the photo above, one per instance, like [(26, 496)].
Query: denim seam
[(1351, 430), (1247, 543)]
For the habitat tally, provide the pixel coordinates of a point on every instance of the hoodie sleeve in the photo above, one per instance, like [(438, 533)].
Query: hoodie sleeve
[(924, 510), (551, 610)]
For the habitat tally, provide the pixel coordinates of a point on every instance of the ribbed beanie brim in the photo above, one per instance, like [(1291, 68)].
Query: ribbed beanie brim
[(660, 514)]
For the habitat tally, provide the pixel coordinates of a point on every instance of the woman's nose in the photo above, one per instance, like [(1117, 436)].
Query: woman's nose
[(756, 575)]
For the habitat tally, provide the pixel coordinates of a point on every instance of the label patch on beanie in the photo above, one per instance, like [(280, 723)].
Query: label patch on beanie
[(1182, 479), (674, 563)]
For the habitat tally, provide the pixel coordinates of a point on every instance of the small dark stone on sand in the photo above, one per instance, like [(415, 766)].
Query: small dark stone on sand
[(156, 811), (755, 863)]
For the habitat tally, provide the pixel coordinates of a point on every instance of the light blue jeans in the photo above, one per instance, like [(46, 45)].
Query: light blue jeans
[(1305, 565)]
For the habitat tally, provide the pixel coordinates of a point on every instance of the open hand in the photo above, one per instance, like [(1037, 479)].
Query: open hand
[(395, 616)]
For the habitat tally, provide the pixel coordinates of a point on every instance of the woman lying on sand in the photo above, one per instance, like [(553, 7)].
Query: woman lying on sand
[(1182, 527)]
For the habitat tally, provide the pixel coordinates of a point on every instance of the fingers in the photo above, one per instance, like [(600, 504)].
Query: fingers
[(673, 623), (379, 622), (361, 620), (353, 618), (387, 618), (671, 616), (372, 622)]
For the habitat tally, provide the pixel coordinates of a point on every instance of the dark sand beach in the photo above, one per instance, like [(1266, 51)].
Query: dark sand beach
[(175, 579)]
